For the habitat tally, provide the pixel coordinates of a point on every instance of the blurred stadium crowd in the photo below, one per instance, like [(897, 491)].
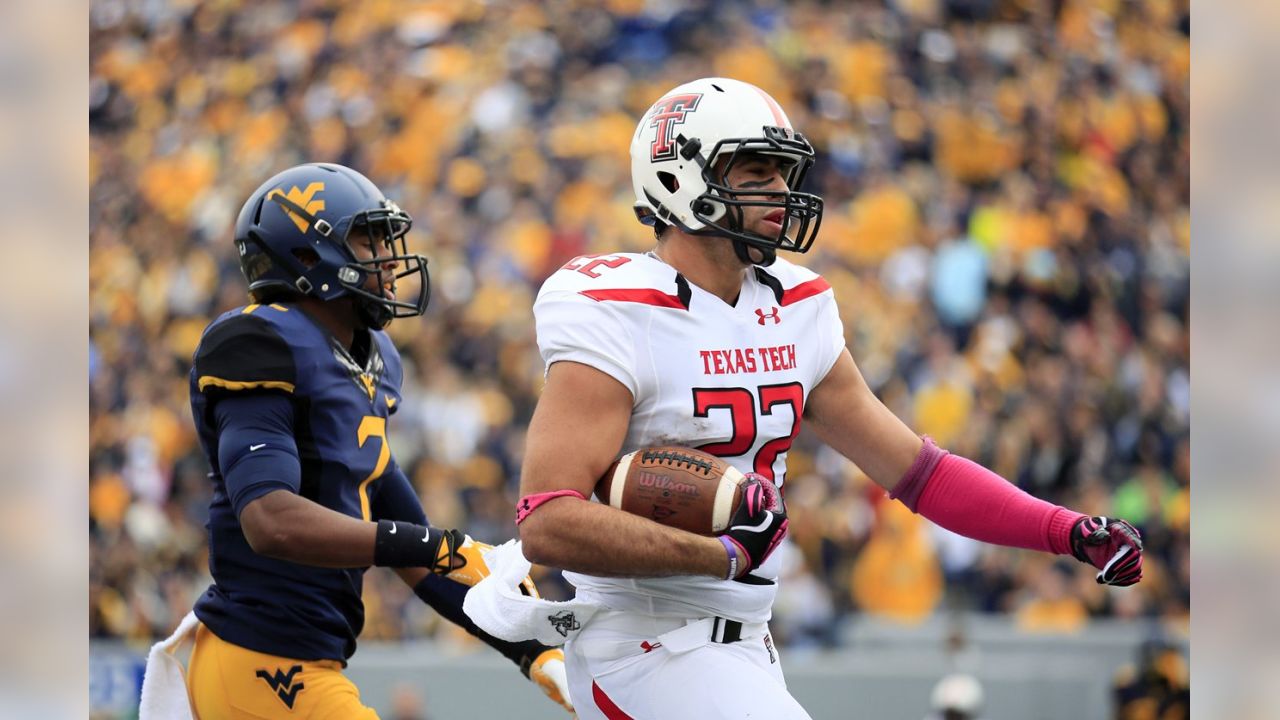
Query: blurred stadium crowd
[(1007, 231)]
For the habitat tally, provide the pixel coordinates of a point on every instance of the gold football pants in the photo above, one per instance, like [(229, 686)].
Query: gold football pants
[(228, 682)]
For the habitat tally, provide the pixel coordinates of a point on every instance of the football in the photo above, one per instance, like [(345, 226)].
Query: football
[(675, 486)]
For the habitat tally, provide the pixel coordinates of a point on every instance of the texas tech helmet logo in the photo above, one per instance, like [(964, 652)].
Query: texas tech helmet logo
[(666, 114)]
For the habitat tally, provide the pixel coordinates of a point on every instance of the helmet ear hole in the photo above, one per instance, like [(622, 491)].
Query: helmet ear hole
[(669, 181), (709, 210), (307, 257)]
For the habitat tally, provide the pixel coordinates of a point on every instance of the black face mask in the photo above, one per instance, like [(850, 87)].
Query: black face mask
[(373, 309), (722, 208)]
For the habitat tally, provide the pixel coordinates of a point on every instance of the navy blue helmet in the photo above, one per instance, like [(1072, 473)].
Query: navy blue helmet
[(292, 236)]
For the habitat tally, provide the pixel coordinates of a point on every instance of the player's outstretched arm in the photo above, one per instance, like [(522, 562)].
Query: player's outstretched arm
[(286, 526), (542, 664), (396, 500), (576, 432), (956, 493), (263, 476)]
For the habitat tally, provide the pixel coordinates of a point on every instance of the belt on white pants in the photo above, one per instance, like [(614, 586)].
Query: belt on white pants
[(679, 634)]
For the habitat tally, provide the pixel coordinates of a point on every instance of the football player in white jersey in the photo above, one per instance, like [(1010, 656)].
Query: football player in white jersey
[(711, 340)]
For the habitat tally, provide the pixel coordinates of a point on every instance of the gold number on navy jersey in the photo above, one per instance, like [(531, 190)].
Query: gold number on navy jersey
[(372, 426)]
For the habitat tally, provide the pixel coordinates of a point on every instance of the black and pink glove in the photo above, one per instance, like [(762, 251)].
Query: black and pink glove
[(756, 528), (1112, 546)]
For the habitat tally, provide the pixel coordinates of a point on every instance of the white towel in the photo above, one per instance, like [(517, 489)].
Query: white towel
[(164, 685), (496, 605)]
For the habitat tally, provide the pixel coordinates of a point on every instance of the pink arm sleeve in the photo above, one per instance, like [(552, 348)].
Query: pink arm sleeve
[(970, 500)]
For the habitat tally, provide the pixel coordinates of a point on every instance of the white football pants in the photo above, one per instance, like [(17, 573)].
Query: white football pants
[(624, 666)]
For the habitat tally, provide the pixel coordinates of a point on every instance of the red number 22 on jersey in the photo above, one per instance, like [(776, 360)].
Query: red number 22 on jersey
[(741, 404), (588, 264)]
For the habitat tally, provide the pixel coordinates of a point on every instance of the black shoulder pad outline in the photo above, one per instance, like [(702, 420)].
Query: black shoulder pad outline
[(770, 282), (244, 352)]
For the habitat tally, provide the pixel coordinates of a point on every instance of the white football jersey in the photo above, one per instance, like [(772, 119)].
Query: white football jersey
[(731, 380)]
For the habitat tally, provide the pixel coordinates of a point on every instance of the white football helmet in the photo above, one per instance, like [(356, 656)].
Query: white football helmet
[(678, 181)]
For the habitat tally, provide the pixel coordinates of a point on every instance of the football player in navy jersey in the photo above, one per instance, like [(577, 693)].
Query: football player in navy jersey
[(291, 397)]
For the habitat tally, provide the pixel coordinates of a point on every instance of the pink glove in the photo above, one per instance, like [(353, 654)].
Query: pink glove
[(1112, 546)]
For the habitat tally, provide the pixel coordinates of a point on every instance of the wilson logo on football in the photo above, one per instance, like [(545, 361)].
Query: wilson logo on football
[(647, 479)]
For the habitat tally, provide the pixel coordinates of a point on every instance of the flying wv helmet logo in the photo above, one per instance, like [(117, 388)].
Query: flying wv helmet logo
[(666, 114), (283, 685), (306, 199)]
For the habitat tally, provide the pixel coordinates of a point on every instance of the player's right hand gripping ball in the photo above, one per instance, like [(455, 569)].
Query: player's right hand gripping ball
[(1113, 546), (759, 524)]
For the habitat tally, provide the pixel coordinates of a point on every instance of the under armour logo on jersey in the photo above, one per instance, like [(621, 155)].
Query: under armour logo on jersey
[(761, 316), (283, 684)]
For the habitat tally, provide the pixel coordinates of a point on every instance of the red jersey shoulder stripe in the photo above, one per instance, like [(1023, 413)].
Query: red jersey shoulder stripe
[(646, 296), (805, 290)]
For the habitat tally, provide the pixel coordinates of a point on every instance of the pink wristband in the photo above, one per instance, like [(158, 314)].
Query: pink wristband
[(529, 503)]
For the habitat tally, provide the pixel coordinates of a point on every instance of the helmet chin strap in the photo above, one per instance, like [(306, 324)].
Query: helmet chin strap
[(741, 249), (372, 315)]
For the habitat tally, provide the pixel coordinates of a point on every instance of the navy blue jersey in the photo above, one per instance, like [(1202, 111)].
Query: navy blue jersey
[(279, 404)]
